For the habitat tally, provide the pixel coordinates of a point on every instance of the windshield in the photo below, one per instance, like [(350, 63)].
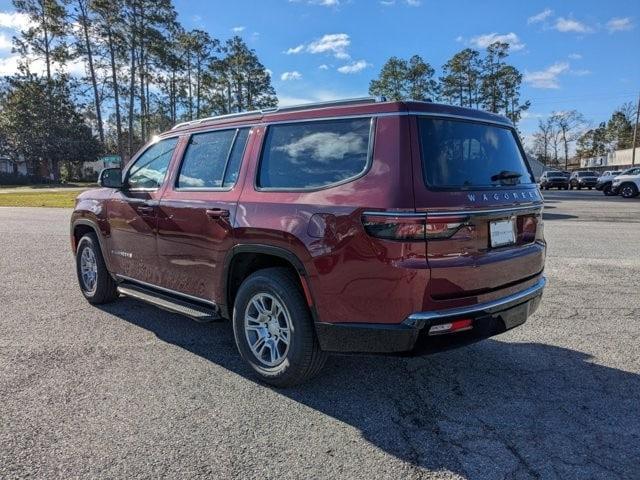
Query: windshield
[(555, 175), (458, 153), (587, 174)]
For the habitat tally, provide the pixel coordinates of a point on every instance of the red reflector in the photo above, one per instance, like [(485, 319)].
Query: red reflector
[(455, 326)]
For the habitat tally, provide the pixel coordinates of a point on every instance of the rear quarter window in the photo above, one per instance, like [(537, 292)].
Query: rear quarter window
[(315, 154)]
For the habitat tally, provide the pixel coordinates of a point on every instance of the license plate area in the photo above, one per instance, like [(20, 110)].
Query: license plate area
[(502, 232)]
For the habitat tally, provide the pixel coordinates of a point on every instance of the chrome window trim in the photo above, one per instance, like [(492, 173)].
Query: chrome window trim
[(166, 290)]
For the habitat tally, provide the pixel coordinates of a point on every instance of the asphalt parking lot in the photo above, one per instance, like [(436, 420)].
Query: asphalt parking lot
[(129, 391)]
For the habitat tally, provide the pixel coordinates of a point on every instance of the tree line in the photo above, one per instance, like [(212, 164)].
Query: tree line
[(553, 140), (470, 78), (143, 72)]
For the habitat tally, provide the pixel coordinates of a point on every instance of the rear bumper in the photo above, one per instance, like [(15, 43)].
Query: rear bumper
[(412, 335)]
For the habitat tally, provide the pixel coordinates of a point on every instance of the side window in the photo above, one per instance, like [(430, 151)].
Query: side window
[(233, 166), (212, 159), (151, 167), (314, 154)]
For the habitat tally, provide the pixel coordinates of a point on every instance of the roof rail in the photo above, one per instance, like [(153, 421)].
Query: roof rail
[(291, 108)]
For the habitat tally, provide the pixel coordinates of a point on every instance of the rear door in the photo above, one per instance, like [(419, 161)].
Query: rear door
[(482, 204), (197, 212)]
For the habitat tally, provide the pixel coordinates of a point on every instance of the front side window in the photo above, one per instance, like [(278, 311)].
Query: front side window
[(150, 168), (464, 154), (314, 154)]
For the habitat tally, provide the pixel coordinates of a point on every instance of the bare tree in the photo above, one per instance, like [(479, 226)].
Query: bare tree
[(568, 124)]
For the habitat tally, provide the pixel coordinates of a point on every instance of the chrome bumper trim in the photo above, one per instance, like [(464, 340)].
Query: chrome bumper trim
[(420, 319)]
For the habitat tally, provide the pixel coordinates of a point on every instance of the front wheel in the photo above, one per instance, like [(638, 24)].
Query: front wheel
[(273, 328), (608, 192), (96, 283), (628, 190)]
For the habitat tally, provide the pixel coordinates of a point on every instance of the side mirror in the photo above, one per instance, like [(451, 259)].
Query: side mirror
[(110, 178)]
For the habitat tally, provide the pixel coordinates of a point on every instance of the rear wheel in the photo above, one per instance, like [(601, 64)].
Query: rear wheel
[(628, 190), (96, 283), (273, 328)]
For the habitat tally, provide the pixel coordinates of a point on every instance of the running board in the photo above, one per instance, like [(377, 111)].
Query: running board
[(199, 313)]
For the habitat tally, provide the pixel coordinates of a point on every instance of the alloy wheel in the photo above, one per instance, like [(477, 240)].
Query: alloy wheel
[(89, 270), (267, 327)]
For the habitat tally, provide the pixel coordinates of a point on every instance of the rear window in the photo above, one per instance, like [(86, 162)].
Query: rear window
[(308, 155), (465, 154)]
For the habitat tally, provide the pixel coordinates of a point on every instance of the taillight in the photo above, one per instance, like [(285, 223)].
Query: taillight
[(390, 226), (412, 227), (439, 227)]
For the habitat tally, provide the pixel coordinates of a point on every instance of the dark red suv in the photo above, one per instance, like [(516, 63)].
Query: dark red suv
[(355, 226)]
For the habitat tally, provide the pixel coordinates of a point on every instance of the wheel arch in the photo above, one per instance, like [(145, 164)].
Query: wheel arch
[(245, 259), (81, 227)]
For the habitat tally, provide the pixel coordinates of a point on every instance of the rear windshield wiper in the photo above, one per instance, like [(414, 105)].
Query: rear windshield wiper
[(505, 175)]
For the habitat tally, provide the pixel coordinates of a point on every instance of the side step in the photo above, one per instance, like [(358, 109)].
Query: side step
[(198, 312)]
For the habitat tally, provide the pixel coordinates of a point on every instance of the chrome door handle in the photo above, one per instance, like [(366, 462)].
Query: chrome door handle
[(145, 210), (216, 213)]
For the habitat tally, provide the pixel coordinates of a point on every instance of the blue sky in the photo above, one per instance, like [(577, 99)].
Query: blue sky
[(574, 54)]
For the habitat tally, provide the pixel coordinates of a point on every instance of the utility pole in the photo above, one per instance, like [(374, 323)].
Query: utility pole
[(635, 135)]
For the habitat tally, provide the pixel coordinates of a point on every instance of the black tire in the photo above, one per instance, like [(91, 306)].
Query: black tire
[(303, 359), (608, 192), (628, 190), (105, 288), (590, 188), (579, 187)]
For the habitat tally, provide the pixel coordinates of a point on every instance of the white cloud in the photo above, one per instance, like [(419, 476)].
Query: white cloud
[(575, 56), (5, 42), (324, 66), (294, 50), (354, 67), (413, 3), (333, 43), (547, 78), (14, 20), (387, 3), (295, 75), (540, 17), (619, 24), (238, 29), (570, 25), (483, 41), (9, 66), (581, 72)]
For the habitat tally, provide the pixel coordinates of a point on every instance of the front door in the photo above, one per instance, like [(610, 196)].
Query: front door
[(197, 212), (132, 213)]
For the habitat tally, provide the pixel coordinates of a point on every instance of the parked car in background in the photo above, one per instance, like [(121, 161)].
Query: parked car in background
[(353, 227), (605, 180), (627, 184), (582, 180), (554, 179)]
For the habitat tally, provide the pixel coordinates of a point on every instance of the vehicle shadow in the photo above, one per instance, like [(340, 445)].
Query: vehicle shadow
[(495, 409), (557, 216)]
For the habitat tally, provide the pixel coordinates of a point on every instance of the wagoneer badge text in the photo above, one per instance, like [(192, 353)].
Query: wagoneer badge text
[(486, 197)]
